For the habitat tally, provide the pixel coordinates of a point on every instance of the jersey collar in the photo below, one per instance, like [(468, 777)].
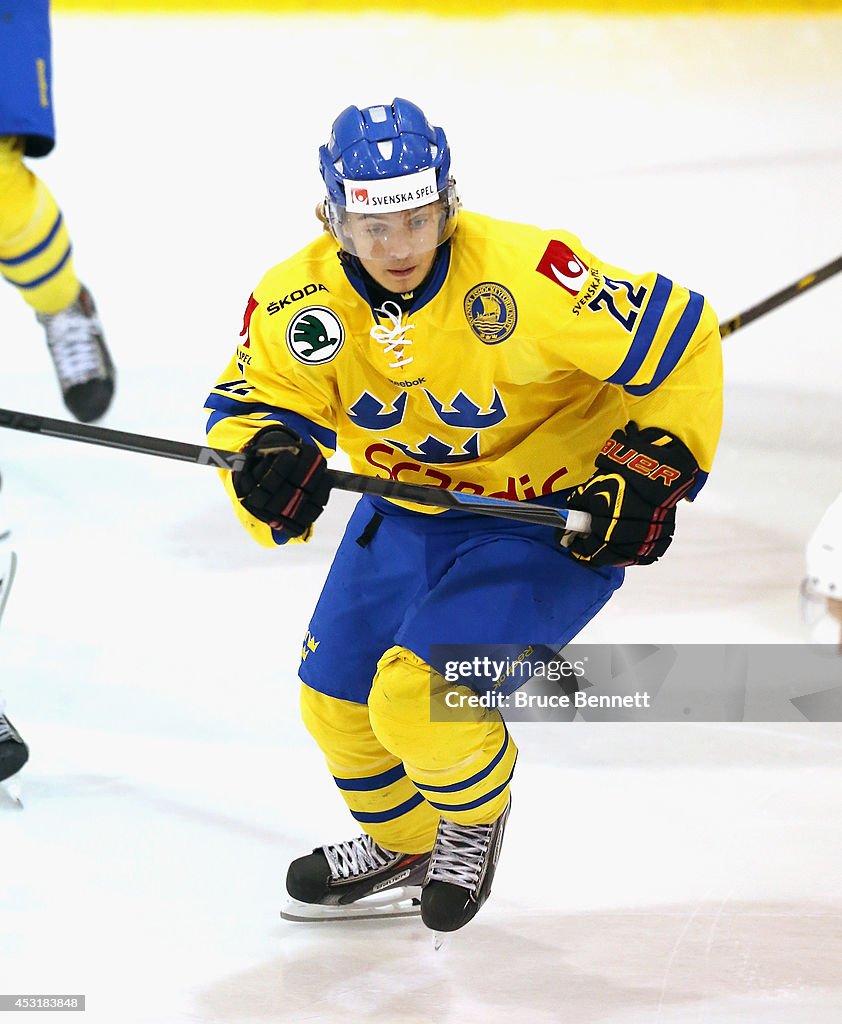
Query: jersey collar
[(375, 295)]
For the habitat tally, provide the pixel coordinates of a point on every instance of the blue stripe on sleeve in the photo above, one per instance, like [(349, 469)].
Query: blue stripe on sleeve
[(676, 346), (467, 783), (222, 407), (35, 250), (645, 333), (35, 282), (372, 782), (391, 813)]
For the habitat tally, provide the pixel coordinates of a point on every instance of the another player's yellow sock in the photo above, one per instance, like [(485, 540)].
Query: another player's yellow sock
[(35, 249)]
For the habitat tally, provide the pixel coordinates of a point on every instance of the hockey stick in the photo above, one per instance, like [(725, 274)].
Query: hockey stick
[(779, 298), (421, 494), (435, 497)]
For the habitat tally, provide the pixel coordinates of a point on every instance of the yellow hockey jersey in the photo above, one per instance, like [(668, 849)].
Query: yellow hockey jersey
[(517, 361)]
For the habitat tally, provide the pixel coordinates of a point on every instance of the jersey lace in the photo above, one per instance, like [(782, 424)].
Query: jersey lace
[(391, 333)]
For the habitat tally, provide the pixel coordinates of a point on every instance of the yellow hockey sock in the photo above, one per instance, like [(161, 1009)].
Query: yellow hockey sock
[(35, 249), (373, 782), (462, 768)]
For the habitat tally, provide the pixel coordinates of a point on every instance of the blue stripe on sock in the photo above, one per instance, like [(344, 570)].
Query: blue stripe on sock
[(389, 815), (474, 803), (372, 782), (467, 783), (44, 277), (40, 247)]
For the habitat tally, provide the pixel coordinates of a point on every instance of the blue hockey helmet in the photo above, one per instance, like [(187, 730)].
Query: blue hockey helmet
[(382, 160)]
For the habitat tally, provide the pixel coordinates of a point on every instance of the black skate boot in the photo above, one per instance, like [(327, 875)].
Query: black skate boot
[(14, 753), (462, 868), (356, 878), (81, 358)]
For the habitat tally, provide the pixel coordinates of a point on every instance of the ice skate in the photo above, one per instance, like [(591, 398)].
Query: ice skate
[(354, 879), (81, 359), (461, 871), (14, 753)]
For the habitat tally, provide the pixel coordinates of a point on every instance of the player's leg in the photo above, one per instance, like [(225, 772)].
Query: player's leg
[(399, 827), (514, 587), (463, 767), (36, 258), (358, 612)]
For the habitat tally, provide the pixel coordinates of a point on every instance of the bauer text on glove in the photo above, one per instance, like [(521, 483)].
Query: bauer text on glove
[(640, 477)]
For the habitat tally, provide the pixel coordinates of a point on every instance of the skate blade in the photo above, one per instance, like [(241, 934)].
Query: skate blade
[(439, 940), (404, 902)]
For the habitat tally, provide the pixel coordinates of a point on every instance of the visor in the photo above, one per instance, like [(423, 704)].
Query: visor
[(399, 218)]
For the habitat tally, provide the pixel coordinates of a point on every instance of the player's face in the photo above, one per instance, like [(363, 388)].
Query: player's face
[(397, 249)]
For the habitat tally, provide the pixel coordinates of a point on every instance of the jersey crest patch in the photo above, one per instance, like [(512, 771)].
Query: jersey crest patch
[(315, 335), (562, 266), (491, 312)]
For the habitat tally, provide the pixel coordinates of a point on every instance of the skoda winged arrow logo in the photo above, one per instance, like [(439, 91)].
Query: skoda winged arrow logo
[(315, 335)]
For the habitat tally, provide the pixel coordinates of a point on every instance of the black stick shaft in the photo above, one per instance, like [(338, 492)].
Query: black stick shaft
[(418, 493), (779, 298), (435, 497)]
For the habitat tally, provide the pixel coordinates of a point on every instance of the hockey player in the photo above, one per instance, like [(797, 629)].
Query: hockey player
[(13, 751), (35, 248), (488, 357)]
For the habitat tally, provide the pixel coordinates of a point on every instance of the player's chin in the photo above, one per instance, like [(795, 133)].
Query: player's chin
[(403, 279)]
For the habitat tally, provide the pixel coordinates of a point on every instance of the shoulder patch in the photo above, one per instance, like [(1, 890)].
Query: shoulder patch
[(562, 266), (315, 335)]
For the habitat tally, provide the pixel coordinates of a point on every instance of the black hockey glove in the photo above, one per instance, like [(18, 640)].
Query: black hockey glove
[(286, 487), (640, 477)]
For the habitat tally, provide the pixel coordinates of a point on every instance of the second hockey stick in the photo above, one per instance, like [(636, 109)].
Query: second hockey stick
[(436, 497), (779, 298)]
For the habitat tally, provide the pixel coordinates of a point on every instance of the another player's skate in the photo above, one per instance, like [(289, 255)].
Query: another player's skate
[(81, 358), (14, 753), (354, 879), (462, 868)]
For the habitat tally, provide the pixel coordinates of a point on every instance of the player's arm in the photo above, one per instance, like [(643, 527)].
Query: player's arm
[(282, 421), (659, 342)]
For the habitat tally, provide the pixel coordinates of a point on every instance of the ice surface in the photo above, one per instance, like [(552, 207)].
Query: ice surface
[(666, 874)]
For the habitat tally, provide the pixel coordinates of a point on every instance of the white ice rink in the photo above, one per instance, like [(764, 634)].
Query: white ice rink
[(652, 874)]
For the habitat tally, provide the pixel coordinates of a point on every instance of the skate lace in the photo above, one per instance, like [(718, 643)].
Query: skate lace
[(5, 729), (72, 340), (460, 853), (355, 857), (393, 336)]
